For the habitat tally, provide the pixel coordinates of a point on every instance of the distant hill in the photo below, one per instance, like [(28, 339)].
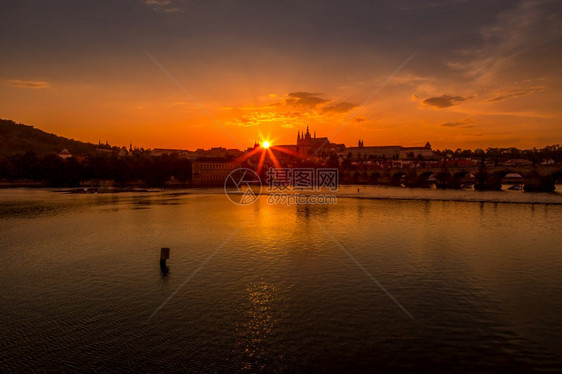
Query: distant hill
[(16, 138)]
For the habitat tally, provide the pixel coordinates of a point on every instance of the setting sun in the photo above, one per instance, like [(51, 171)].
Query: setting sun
[(266, 144)]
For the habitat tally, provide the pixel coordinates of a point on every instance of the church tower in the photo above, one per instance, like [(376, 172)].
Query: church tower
[(307, 135)]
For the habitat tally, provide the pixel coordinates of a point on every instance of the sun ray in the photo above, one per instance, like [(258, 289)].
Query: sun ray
[(260, 164), (276, 162), (281, 149), (247, 155)]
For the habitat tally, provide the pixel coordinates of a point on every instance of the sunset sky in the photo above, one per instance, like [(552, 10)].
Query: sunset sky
[(481, 74)]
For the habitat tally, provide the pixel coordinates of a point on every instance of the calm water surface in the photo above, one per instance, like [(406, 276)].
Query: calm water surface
[(480, 273)]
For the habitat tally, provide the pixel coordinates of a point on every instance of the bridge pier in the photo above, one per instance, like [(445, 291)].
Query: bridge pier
[(487, 186), (536, 183), (412, 180), (385, 179), (487, 182), (456, 182), (443, 180)]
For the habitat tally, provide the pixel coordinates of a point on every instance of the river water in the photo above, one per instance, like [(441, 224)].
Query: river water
[(386, 279)]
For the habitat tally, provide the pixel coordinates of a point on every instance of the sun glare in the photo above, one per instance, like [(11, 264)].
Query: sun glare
[(266, 144)]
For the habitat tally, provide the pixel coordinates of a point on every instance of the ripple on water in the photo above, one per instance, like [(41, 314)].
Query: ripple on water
[(80, 279)]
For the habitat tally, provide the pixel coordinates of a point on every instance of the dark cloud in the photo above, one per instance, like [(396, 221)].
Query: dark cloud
[(359, 119), (443, 101), (457, 124), (305, 99), (340, 107)]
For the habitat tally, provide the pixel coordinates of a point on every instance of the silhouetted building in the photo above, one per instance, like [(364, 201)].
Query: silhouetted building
[(181, 153), (377, 152), (309, 146), (389, 152), (417, 152), (211, 172)]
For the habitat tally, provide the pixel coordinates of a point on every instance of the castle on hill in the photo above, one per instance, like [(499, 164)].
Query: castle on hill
[(308, 145)]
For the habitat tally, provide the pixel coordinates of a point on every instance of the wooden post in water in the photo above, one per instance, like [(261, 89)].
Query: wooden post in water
[(164, 255)]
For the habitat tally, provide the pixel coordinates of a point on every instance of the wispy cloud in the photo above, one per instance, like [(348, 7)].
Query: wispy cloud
[(518, 92), (291, 110), (417, 5), (28, 84), (451, 124), (526, 26), (340, 107), (465, 124), (165, 6), (286, 119), (157, 2)]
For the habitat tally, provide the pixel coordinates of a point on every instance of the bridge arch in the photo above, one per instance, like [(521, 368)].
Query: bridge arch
[(398, 178), (515, 178), (534, 178), (463, 174), (424, 178), (443, 179), (374, 177), (542, 183), (556, 177)]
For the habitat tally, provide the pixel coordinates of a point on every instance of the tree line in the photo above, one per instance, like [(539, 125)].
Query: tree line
[(537, 155), (54, 171)]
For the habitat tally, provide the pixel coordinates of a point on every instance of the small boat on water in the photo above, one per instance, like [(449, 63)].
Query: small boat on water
[(516, 187)]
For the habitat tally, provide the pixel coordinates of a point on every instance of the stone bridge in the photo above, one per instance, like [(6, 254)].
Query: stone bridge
[(534, 178)]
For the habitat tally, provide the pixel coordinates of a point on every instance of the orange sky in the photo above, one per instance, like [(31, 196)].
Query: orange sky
[(474, 82)]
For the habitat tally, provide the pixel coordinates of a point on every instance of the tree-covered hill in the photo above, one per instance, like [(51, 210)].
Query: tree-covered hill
[(16, 138)]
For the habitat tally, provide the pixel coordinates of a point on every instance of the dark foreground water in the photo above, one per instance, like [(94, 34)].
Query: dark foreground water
[(288, 289)]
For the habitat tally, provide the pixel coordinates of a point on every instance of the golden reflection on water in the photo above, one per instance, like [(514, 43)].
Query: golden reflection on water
[(259, 324)]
